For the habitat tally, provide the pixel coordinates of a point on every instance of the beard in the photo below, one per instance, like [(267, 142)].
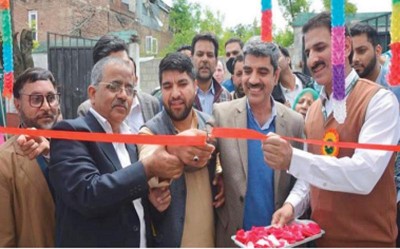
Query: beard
[(204, 77), (368, 69), (181, 115), (36, 123)]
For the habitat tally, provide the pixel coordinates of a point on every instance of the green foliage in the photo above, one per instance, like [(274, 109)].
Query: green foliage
[(35, 45), (188, 19), (241, 31), (290, 8), (350, 8), (285, 38)]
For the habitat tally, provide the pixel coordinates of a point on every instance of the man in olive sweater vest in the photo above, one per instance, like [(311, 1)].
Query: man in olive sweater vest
[(351, 191)]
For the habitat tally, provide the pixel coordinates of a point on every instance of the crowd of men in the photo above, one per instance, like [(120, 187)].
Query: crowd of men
[(72, 193)]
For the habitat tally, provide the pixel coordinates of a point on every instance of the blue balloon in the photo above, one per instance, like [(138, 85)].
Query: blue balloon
[(266, 5)]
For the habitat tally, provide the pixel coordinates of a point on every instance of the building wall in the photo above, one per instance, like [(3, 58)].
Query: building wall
[(50, 18), (149, 75), (87, 18)]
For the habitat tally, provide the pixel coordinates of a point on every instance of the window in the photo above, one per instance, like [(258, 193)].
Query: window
[(33, 23), (151, 45)]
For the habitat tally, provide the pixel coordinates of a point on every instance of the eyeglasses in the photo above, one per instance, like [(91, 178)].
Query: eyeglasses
[(116, 87), (37, 100)]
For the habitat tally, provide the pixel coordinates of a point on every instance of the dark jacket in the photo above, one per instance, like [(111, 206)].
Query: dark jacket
[(306, 80), (94, 193), (168, 226)]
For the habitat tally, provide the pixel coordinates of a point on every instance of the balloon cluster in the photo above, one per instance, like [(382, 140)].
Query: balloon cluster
[(394, 71), (8, 63), (338, 60), (266, 20)]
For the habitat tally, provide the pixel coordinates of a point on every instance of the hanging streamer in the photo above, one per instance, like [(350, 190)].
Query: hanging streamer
[(8, 63), (394, 70), (266, 20), (338, 60)]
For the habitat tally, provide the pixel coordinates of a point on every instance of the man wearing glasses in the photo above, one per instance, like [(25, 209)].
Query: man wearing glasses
[(26, 203), (144, 105), (101, 188)]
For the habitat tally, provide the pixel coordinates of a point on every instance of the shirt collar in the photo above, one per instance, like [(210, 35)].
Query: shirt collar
[(210, 90), (298, 84), (124, 128), (269, 121), (136, 103), (349, 79)]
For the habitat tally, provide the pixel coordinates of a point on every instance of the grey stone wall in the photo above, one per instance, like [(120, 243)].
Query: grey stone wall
[(149, 75)]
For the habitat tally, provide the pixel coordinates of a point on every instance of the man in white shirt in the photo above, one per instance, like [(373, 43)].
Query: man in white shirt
[(351, 192)]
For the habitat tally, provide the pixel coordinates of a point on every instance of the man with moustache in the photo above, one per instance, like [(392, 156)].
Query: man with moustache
[(101, 188), (204, 57), (144, 105), (367, 52), (352, 194), (244, 171), (189, 220), (26, 202)]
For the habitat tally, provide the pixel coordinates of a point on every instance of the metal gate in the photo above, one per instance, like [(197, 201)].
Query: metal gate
[(70, 60)]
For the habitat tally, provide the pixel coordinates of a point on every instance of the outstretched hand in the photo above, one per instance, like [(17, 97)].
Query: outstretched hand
[(283, 216), (33, 146), (277, 152)]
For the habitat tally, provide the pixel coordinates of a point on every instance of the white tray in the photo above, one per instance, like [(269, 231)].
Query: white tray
[(306, 240)]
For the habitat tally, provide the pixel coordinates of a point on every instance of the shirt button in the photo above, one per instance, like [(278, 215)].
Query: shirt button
[(241, 198)]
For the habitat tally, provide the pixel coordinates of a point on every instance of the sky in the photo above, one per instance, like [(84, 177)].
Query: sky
[(244, 11)]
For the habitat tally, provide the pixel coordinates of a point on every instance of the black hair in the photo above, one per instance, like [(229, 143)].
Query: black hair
[(32, 75), (233, 40), (285, 53), (323, 19), (176, 61), (106, 45), (364, 28), (206, 37), (239, 58), (184, 47)]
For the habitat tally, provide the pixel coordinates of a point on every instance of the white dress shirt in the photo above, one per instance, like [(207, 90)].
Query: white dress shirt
[(125, 161), (357, 174), (290, 95), (135, 118)]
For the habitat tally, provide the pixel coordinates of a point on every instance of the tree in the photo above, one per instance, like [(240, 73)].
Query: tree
[(350, 8), (241, 31), (187, 19), (285, 38), (290, 8)]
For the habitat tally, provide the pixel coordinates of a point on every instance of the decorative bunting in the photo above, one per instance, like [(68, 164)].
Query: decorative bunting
[(338, 60), (266, 20), (394, 69), (8, 63)]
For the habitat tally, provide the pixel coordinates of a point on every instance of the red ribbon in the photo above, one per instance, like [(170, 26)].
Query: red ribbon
[(233, 133)]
